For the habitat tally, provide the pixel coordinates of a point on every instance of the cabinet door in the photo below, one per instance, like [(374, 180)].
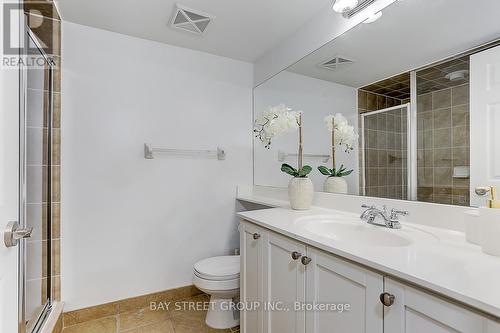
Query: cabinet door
[(284, 285), (415, 311), (252, 240), (331, 280)]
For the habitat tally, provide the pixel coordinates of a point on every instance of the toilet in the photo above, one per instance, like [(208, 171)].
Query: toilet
[(219, 277)]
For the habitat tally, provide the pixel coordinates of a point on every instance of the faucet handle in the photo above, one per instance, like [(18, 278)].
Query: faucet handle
[(395, 213)]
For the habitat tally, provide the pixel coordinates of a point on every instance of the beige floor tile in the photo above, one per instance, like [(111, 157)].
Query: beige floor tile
[(142, 317), (103, 325), (91, 313), (191, 320), (158, 327)]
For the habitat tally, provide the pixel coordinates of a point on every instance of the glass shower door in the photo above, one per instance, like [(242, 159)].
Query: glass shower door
[(384, 153), (36, 162)]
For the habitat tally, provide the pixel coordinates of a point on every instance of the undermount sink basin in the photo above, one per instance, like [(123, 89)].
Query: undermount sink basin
[(347, 229)]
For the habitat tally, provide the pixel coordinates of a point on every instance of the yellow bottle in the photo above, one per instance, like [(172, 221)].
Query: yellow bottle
[(493, 202)]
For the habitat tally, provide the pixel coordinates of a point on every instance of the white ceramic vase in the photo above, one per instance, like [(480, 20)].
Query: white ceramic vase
[(335, 185), (300, 193)]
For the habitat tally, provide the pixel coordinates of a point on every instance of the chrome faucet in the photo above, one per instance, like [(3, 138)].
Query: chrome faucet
[(390, 219)]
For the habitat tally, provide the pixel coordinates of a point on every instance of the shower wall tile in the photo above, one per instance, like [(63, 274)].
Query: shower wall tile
[(425, 120), (460, 95), (381, 139), (461, 136), (424, 103), (441, 99), (442, 138), (382, 177), (381, 122), (425, 194), (371, 158), (460, 196), (362, 99), (461, 156), (56, 116), (381, 102), (371, 102), (442, 118), (443, 176), (425, 177), (427, 139), (460, 115)]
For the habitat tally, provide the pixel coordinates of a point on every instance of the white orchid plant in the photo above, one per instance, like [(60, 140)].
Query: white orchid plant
[(278, 120), (343, 135)]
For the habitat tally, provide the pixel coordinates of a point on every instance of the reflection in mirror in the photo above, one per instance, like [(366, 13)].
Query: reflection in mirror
[(404, 83)]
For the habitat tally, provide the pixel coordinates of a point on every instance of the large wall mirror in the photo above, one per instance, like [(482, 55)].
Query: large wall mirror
[(414, 87)]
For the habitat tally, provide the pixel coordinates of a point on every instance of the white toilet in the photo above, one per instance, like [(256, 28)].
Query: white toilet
[(219, 277)]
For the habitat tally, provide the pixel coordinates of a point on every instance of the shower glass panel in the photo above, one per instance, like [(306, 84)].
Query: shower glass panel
[(35, 296), (384, 157)]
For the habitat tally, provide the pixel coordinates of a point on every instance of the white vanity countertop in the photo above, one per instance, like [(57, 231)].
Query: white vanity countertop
[(437, 259)]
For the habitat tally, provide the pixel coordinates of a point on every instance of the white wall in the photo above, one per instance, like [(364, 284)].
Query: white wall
[(130, 225), (317, 99)]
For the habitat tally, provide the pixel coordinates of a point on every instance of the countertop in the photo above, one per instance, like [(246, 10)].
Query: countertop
[(437, 259)]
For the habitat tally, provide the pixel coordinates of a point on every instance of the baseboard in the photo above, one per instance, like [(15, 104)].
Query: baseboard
[(114, 308)]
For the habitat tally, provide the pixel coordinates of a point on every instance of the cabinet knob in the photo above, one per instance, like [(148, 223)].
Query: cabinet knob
[(256, 236), (387, 299), (305, 260), (296, 255)]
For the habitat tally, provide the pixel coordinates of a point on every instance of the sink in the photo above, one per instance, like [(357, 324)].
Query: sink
[(350, 229)]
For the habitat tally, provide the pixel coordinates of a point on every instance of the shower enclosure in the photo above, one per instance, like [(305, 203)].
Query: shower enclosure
[(36, 123), (385, 146)]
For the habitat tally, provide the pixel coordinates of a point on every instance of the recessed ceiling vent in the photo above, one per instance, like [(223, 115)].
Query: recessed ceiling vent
[(335, 63), (190, 20)]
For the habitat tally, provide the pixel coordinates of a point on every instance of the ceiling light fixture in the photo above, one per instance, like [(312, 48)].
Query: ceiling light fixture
[(374, 17), (342, 6)]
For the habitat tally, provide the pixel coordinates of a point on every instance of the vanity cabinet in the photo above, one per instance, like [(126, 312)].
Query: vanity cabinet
[(285, 276), (417, 311), (279, 273)]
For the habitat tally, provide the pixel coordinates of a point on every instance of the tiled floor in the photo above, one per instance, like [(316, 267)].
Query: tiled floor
[(151, 321)]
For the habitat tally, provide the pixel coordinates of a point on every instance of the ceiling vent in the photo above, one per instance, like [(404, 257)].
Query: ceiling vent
[(335, 63), (190, 20)]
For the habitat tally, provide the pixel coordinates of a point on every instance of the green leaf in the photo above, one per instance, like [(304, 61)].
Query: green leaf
[(346, 173), (324, 170), (306, 169), (289, 170)]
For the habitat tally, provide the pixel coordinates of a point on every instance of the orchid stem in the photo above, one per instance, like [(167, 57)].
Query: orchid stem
[(333, 142), (301, 144)]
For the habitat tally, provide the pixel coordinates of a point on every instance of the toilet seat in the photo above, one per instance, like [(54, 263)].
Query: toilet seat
[(221, 268), (210, 286)]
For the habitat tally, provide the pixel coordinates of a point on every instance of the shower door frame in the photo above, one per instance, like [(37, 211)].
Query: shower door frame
[(410, 145), (35, 326)]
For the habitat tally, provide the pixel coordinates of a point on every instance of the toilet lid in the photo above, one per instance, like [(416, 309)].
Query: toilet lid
[(218, 268)]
